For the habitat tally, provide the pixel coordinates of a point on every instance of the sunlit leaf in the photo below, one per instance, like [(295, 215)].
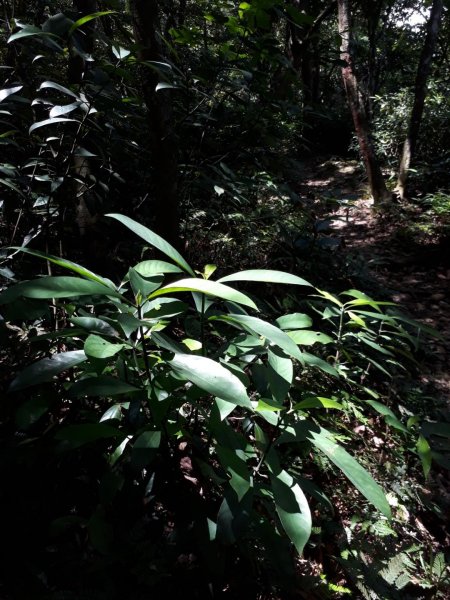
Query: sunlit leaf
[(60, 88), (154, 240), (211, 377), (265, 276), (270, 332), (67, 264), (5, 92), (57, 111), (424, 452), (294, 321), (147, 268), (306, 337), (50, 122), (88, 18), (205, 286), (97, 347), (318, 402), (56, 287)]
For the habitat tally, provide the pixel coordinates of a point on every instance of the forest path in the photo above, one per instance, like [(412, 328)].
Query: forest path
[(415, 273)]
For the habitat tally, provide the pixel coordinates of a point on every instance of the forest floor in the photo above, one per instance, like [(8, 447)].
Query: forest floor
[(411, 269)]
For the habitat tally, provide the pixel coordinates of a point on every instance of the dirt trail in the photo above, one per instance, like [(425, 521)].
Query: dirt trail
[(417, 276)]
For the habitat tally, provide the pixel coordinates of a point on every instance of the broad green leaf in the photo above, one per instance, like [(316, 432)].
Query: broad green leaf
[(211, 288), (267, 404), (356, 473), (265, 276), (94, 325), (374, 345), (234, 516), (101, 386), (56, 287), (394, 422), (330, 297), (373, 304), (5, 92), (209, 270), (129, 323), (147, 268), (145, 448), (90, 432), (45, 369), (120, 53), (119, 450), (356, 319), (193, 345), (280, 374), (59, 88), (67, 264), (424, 452), (224, 407), (241, 481), (88, 18), (306, 337), (292, 508), (144, 286), (65, 109), (154, 240), (50, 122), (270, 332), (97, 347), (164, 341), (272, 417), (114, 412), (315, 361), (163, 308), (294, 321), (211, 377), (29, 31), (388, 414), (318, 402)]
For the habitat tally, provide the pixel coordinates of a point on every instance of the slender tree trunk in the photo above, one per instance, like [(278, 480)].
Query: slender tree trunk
[(303, 47), (420, 93), (377, 185), (76, 73), (145, 16)]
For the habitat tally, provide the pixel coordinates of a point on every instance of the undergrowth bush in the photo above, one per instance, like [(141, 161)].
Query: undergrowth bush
[(165, 431)]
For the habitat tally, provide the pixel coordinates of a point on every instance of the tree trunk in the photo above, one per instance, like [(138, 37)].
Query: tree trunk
[(420, 93), (377, 185), (159, 111), (84, 43), (303, 47)]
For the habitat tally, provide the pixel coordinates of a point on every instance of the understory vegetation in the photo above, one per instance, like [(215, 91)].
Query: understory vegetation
[(216, 383)]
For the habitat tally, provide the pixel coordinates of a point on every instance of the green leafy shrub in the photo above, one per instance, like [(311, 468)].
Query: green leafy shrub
[(192, 407)]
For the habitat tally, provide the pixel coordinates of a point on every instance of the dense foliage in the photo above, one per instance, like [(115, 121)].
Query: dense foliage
[(204, 396)]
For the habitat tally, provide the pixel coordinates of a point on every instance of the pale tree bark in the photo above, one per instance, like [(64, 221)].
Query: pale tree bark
[(420, 93), (375, 177), (145, 16)]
